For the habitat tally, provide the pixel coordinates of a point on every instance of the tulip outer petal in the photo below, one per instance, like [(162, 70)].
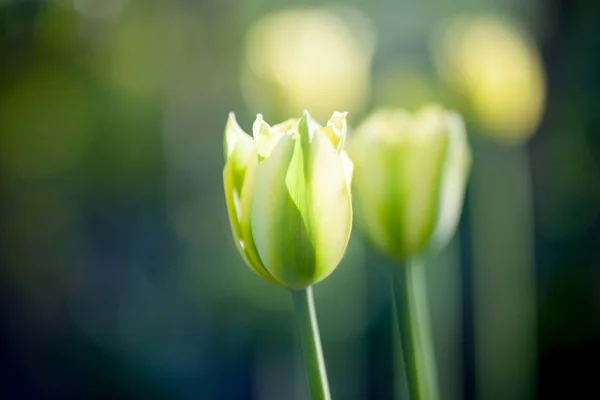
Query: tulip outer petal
[(249, 247), (456, 174), (265, 137), (235, 137), (336, 130), (280, 232), (331, 211)]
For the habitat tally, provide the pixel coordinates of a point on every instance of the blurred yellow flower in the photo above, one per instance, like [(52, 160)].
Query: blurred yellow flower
[(308, 58), (498, 68)]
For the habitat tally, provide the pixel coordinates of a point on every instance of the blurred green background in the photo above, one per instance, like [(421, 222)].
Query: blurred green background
[(119, 276)]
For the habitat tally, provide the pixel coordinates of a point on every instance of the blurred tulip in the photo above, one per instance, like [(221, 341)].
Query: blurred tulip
[(410, 178), (288, 197), (499, 69), (308, 58), (495, 64)]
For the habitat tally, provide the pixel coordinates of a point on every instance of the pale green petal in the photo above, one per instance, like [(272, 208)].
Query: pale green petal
[(239, 148), (311, 124), (264, 136), (388, 125), (373, 163), (246, 241), (336, 130), (331, 206), (281, 234), (235, 137), (338, 120), (285, 126), (236, 212), (233, 208), (420, 162), (348, 168), (454, 181)]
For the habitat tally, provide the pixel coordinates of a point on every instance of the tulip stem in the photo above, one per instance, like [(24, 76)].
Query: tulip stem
[(310, 342), (412, 310)]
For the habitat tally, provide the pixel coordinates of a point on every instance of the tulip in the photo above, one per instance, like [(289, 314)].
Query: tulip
[(409, 181), (288, 197), (497, 67), (410, 177)]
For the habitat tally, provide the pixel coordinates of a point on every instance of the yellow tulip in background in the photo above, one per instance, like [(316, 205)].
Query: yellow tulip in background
[(318, 58), (409, 182), (497, 67), (494, 63), (410, 177), (288, 198)]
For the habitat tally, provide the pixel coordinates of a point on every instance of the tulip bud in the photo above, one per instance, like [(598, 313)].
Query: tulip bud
[(410, 177), (288, 197)]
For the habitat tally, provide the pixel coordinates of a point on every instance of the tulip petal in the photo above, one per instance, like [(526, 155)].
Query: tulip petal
[(285, 126), (264, 136), (420, 162), (336, 130), (239, 148), (248, 245), (280, 232), (236, 137), (370, 188), (237, 178), (331, 211), (454, 181), (231, 198), (348, 168)]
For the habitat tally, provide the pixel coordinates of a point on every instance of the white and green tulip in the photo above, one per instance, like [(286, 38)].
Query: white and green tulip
[(288, 197), (409, 184), (410, 178)]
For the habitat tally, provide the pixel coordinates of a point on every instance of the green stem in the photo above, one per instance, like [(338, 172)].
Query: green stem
[(310, 342), (412, 309)]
